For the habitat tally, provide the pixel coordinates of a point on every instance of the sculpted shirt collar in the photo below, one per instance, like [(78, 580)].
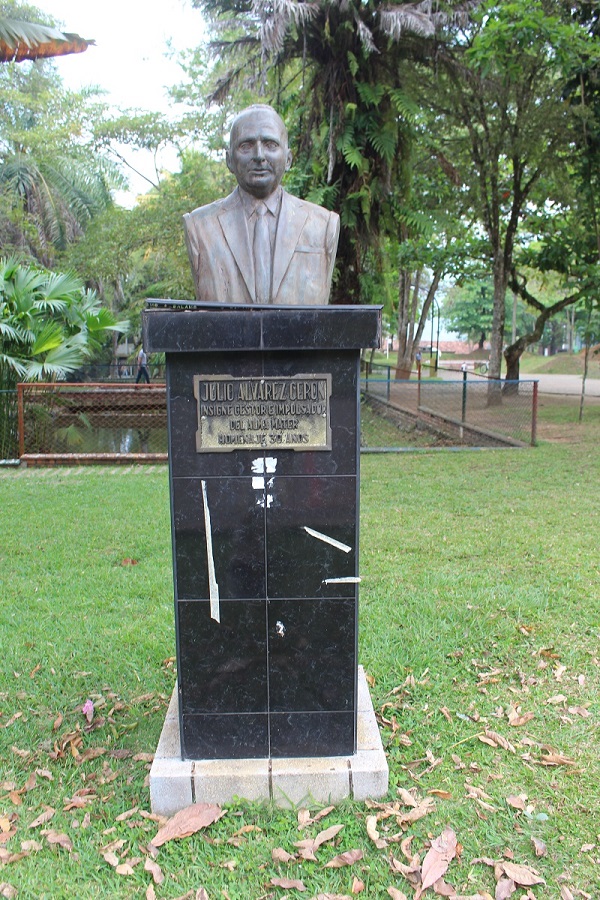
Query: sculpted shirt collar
[(273, 202)]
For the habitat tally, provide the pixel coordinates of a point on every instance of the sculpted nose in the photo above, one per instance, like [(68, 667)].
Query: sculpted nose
[(259, 152)]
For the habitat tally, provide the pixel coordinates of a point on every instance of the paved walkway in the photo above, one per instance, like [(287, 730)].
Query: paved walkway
[(565, 384)]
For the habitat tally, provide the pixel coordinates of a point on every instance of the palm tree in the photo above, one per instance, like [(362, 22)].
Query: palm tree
[(339, 67), (21, 40), (49, 325)]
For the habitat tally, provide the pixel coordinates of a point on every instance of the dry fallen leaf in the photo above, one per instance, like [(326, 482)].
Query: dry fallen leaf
[(517, 801), (344, 859), (556, 759), (395, 894), (523, 875), (43, 818), (437, 859), (505, 888), (155, 870), (309, 846), (357, 885), (539, 847), (278, 854), (288, 884), (438, 792), (305, 819), (373, 833), (56, 837), (8, 890), (187, 822)]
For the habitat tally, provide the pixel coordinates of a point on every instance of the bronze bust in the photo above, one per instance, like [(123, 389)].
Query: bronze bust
[(261, 244)]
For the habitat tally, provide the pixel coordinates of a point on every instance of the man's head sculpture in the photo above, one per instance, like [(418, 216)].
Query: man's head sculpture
[(258, 153), (261, 244)]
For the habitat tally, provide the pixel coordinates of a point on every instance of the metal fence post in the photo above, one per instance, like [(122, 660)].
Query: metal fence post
[(464, 397), (20, 418), (534, 412), (389, 376)]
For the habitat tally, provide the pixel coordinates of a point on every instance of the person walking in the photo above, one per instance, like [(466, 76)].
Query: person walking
[(142, 372)]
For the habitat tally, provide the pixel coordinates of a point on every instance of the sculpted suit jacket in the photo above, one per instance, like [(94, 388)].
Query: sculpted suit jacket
[(303, 256)]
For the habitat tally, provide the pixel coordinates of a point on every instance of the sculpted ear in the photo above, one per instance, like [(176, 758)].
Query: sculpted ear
[(288, 161), (228, 160)]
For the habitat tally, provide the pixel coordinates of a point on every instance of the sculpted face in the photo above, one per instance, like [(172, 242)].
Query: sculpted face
[(258, 152)]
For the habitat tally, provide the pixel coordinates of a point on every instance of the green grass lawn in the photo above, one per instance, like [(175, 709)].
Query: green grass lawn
[(479, 616)]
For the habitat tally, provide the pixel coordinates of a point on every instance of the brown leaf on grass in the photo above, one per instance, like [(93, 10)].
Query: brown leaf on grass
[(305, 819), (124, 869), (309, 846), (31, 846), (424, 808), (557, 699), (150, 893), (438, 792), (155, 870), (229, 864), (373, 833), (395, 894), (59, 838), (522, 875), (505, 888), (517, 801), (8, 891), (111, 858), (443, 889), (412, 873), (408, 799), (437, 859), (331, 897), (555, 759), (43, 817), (288, 884), (566, 893), (539, 846), (6, 858), (516, 719), (128, 814), (358, 886), (344, 859), (499, 740), (187, 822), (278, 854), (579, 711)]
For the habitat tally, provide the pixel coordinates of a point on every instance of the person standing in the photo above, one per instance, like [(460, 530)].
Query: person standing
[(142, 364)]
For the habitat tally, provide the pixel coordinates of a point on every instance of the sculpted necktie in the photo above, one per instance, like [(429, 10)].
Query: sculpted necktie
[(262, 255)]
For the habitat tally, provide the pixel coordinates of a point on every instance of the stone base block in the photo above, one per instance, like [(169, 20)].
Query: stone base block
[(290, 782)]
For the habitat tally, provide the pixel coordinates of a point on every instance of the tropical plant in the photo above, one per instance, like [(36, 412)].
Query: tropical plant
[(336, 69), (52, 179), (49, 323)]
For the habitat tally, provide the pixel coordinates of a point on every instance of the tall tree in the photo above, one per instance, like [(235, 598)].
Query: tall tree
[(335, 66), (507, 122), (52, 181)]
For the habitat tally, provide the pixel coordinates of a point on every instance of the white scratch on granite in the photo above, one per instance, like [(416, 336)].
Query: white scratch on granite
[(327, 539), (350, 579), (213, 587)]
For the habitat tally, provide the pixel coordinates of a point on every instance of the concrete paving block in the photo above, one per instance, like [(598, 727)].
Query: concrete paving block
[(169, 745), (370, 774), (170, 785), (314, 780), (220, 780)]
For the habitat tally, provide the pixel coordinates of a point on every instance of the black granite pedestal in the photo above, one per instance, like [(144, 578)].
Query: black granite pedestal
[(263, 407)]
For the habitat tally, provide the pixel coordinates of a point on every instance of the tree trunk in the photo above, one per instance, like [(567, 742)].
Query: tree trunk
[(497, 335)]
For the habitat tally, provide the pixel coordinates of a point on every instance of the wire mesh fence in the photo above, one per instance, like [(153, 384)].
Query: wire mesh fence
[(9, 431), (92, 420), (461, 410), (120, 421)]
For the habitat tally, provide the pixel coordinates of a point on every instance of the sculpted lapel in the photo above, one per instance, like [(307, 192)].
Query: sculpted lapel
[(292, 218), (233, 223)]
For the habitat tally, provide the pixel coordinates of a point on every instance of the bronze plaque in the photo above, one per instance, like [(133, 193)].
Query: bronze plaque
[(262, 413)]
